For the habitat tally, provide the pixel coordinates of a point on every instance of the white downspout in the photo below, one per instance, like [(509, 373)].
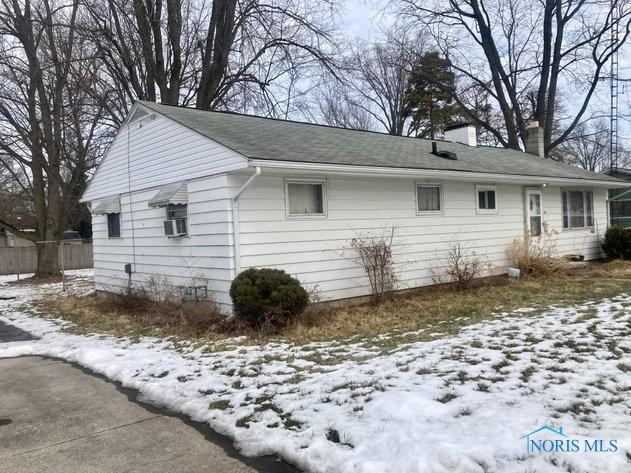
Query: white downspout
[(235, 221)]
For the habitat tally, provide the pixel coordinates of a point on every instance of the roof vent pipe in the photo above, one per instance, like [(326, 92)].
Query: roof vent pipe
[(434, 148), (443, 154)]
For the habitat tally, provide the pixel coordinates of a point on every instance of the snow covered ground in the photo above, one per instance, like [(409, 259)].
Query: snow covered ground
[(458, 404)]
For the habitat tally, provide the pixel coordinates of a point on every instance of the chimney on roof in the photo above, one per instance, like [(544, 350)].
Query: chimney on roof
[(464, 133), (534, 139)]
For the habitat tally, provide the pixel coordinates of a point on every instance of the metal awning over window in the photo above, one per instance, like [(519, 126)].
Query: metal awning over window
[(111, 205), (172, 194)]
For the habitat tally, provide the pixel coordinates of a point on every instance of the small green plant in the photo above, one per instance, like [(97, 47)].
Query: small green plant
[(447, 397), (219, 405), (464, 411), (482, 387), (617, 243), (332, 435), (267, 298), (624, 367)]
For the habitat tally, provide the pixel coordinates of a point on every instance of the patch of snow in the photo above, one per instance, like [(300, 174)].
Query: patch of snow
[(459, 404)]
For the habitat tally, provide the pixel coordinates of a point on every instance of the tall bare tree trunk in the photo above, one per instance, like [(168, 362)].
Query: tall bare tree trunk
[(47, 260)]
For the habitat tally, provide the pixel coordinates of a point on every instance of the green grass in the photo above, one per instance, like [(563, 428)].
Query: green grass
[(447, 397), (219, 405)]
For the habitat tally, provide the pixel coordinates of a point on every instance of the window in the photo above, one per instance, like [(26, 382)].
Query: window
[(429, 198), (486, 197), (177, 220), (305, 198), (114, 225), (577, 209)]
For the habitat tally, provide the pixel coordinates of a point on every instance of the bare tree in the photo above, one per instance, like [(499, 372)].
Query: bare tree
[(336, 107), (588, 146), (49, 122), (527, 55), (370, 91), (211, 54)]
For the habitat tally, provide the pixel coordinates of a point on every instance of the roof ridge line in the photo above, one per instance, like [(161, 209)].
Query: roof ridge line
[(298, 122)]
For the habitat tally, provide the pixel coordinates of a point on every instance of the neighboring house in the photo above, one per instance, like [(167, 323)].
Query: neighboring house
[(192, 195), (23, 222), (620, 199), (27, 223)]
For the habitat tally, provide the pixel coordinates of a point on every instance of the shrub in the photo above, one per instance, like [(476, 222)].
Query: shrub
[(462, 267), (267, 298), (534, 256), (373, 251), (617, 243)]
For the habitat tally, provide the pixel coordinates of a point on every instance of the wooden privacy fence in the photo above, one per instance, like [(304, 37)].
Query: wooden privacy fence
[(23, 259)]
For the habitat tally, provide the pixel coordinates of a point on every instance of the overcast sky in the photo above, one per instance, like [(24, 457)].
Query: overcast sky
[(362, 18)]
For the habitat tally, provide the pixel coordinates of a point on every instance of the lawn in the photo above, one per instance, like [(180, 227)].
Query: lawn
[(479, 370), (423, 314)]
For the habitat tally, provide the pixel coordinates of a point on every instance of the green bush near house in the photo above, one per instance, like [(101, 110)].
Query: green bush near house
[(617, 243), (267, 298)]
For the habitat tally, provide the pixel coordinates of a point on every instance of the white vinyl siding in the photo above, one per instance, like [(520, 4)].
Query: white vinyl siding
[(160, 152), (204, 257), (316, 251)]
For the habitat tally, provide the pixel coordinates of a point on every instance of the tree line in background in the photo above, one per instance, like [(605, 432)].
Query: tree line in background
[(70, 71)]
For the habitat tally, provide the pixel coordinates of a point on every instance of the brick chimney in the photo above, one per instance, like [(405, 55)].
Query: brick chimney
[(534, 140)]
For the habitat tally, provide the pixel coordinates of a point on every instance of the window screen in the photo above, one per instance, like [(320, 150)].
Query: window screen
[(305, 198), (113, 226), (428, 198), (175, 212), (577, 209), (486, 199)]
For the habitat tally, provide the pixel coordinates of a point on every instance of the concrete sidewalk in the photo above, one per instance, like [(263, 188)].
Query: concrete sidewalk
[(56, 417)]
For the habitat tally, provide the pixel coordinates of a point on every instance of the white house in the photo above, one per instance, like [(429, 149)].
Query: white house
[(194, 196)]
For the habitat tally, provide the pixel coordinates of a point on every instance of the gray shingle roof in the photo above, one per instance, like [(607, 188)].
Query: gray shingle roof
[(281, 140)]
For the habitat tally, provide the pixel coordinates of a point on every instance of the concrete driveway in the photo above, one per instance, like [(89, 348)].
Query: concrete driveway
[(56, 417)]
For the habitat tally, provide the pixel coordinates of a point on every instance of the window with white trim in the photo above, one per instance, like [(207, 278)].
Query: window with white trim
[(486, 199), (429, 198), (113, 225), (305, 198), (578, 208)]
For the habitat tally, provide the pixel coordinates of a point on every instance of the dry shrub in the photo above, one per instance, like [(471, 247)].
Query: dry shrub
[(373, 251), (463, 266), (155, 308), (535, 255), (196, 318)]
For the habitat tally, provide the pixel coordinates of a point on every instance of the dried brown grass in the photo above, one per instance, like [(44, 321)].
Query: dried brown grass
[(437, 311), (446, 311), (133, 315), (615, 269), (535, 256)]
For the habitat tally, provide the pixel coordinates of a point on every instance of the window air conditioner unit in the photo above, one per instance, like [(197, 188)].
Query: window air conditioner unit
[(175, 227)]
